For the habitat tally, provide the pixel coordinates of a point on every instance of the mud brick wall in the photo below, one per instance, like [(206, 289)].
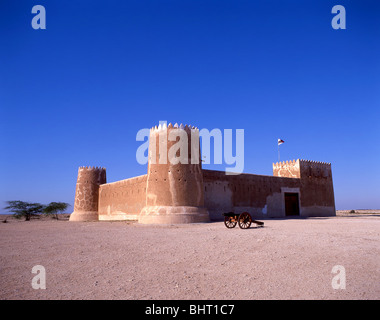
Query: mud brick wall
[(261, 196), (121, 198)]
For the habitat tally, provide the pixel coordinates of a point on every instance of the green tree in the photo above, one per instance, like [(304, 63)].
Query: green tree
[(53, 208), (24, 209)]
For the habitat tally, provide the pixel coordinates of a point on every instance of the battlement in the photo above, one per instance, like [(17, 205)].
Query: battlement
[(174, 143), (293, 162), (91, 175), (92, 168), (314, 163), (301, 168), (163, 127), (315, 169), (288, 169)]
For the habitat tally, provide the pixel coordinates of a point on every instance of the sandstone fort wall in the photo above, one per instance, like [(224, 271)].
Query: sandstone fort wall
[(261, 196), (122, 200)]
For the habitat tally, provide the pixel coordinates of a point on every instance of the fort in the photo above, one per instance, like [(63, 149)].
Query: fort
[(182, 192)]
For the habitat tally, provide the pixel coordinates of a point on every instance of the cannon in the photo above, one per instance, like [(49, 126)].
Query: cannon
[(244, 220)]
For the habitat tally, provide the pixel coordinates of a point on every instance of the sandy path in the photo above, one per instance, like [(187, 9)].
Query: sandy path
[(287, 259)]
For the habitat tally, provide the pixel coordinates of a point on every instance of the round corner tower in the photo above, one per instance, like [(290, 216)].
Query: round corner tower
[(87, 193), (175, 192)]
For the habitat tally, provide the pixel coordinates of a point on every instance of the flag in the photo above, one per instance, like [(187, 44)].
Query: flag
[(280, 141)]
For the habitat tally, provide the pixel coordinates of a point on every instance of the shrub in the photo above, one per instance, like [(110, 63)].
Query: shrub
[(24, 209)]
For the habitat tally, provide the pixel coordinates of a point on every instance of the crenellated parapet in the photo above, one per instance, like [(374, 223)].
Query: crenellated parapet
[(288, 169), (315, 169), (301, 168)]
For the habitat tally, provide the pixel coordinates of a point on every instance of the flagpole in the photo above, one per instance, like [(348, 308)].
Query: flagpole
[(279, 141)]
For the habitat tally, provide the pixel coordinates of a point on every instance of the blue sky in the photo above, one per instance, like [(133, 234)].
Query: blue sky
[(77, 93)]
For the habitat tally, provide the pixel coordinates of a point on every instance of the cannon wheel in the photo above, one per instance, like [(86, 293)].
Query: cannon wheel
[(230, 222), (245, 220)]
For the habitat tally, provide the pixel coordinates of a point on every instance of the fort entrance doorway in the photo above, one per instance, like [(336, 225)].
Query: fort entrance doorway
[(291, 204)]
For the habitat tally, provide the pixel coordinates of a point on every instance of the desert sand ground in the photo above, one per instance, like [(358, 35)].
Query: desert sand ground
[(287, 259)]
